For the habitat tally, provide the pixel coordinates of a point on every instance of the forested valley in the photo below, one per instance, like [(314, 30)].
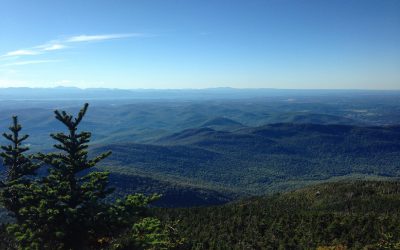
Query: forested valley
[(226, 174)]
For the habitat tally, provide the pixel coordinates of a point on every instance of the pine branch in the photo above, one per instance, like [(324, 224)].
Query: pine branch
[(17, 165)]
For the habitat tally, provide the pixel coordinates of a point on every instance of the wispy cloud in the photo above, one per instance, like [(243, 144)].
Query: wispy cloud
[(29, 62), (50, 47), (63, 43), (90, 38), (22, 52)]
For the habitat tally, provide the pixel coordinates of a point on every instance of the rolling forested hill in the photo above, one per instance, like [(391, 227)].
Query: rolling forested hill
[(219, 144), (341, 215), (220, 152), (257, 160), (213, 166), (146, 116)]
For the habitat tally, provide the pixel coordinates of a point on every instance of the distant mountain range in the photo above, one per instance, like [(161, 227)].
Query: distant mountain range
[(72, 93)]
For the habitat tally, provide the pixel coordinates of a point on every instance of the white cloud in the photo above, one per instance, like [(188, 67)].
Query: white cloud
[(56, 46), (22, 52), (29, 62), (90, 38)]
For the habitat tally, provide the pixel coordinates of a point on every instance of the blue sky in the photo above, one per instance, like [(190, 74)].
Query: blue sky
[(200, 43)]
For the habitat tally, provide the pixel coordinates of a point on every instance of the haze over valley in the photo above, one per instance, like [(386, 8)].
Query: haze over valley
[(215, 145)]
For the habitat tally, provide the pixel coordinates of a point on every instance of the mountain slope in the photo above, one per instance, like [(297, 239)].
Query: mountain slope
[(268, 158), (343, 214), (173, 194), (223, 123)]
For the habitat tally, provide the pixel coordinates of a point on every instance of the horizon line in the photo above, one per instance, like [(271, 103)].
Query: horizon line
[(199, 89)]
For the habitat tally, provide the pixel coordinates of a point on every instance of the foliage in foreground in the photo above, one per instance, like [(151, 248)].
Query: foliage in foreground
[(342, 215), (66, 208)]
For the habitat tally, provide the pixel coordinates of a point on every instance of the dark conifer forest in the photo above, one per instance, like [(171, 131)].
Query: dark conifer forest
[(341, 215)]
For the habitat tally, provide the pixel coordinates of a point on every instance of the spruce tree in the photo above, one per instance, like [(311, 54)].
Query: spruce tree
[(67, 209), (17, 192), (18, 169), (18, 166), (76, 192)]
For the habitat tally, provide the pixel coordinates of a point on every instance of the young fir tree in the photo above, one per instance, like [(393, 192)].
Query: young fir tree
[(17, 164), (17, 191), (67, 208), (74, 194)]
